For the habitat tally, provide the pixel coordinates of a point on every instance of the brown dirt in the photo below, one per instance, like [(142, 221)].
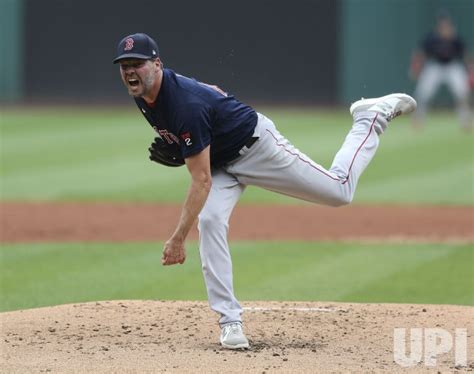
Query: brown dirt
[(43, 222), (182, 337)]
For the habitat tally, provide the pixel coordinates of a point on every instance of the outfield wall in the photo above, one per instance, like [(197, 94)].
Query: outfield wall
[(378, 37), (260, 50), (307, 51), (11, 51)]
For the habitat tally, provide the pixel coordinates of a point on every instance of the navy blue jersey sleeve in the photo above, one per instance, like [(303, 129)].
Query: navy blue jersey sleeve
[(193, 128)]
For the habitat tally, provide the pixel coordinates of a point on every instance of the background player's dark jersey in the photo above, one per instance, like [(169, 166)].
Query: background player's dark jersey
[(442, 50), (192, 115)]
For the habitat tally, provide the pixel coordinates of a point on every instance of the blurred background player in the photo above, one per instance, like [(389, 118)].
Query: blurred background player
[(441, 60)]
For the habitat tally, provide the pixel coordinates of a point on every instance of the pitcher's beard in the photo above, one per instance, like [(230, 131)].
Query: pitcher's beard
[(132, 91)]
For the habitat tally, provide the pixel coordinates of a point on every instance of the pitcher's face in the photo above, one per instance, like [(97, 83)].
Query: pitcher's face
[(139, 75)]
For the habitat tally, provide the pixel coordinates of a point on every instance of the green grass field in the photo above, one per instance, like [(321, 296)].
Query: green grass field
[(85, 155), (80, 154), (50, 274)]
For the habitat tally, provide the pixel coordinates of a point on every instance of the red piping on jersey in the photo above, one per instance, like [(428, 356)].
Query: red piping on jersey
[(322, 171)]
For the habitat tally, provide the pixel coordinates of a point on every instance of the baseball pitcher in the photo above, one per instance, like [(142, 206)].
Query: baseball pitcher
[(226, 146)]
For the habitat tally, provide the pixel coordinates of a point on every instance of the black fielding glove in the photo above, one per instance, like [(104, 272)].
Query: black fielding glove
[(165, 154)]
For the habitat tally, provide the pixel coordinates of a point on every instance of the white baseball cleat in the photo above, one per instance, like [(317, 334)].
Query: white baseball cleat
[(232, 336), (389, 106)]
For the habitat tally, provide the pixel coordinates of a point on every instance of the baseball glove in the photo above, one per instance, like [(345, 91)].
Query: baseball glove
[(165, 154)]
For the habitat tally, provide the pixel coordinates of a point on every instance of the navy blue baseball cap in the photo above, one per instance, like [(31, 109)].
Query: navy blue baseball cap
[(139, 46)]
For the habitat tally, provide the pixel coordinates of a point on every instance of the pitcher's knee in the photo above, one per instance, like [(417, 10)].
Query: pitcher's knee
[(340, 200), (209, 221)]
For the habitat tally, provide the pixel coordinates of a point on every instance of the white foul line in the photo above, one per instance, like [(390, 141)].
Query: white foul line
[(301, 309)]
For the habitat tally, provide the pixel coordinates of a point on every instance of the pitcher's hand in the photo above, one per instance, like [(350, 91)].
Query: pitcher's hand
[(174, 252)]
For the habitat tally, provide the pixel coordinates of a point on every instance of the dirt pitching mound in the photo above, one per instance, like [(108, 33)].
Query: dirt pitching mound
[(182, 337)]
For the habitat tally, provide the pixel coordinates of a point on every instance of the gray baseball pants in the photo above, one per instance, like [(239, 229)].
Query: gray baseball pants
[(455, 76), (274, 164)]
